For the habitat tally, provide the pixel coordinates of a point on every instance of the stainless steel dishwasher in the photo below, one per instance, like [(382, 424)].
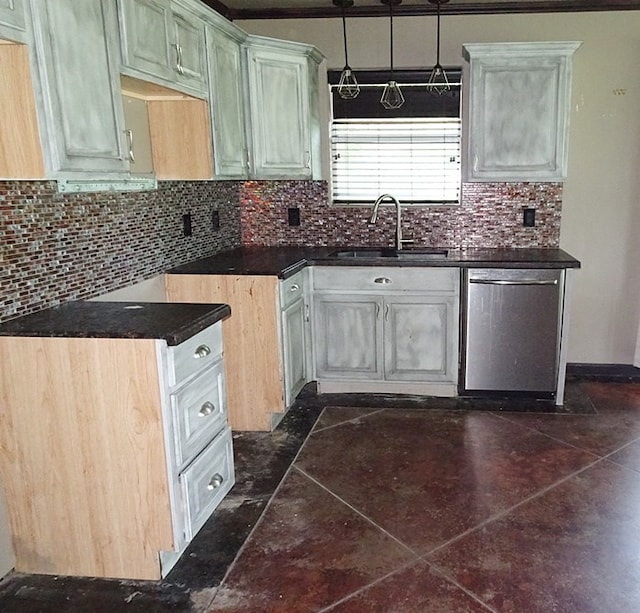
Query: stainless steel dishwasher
[(511, 330)]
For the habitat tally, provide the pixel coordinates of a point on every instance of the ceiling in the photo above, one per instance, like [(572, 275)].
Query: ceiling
[(285, 9)]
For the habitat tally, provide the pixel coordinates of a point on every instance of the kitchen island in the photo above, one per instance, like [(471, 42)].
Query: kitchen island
[(115, 446)]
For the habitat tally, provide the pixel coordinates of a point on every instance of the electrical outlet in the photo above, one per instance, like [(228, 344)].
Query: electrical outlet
[(529, 218), (215, 220), (186, 225), (294, 216)]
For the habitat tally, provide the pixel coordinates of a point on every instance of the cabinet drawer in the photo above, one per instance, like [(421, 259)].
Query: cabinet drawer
[(198, 412), (207, 480), (195, 353), (386, 278), (292, 289)]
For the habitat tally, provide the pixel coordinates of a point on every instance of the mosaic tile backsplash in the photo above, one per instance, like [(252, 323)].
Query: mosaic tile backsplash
[(59, 247), (490, 215)]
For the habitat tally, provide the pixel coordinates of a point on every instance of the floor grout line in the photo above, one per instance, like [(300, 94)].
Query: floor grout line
[(360, 513), (348, 421)]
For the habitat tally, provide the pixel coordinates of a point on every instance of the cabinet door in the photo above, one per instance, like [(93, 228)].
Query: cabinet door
[(12, 20), (146, 37), (419, 338), (227, 105), (348, 336), (294, 350), (79, 86), (519, 107), (188, 42), (279, 114)]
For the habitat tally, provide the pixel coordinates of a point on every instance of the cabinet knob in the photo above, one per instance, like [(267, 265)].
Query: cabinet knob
[(202, 351), (206, 409), (383, 280), (294, 288), (215, 482)]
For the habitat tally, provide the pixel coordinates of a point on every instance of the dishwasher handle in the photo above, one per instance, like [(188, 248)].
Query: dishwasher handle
[(515, 281)]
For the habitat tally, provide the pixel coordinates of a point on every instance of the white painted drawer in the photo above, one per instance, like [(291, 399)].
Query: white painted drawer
[(196, 353), (199, 412), (208, 480), (385, 278), (292, 289)]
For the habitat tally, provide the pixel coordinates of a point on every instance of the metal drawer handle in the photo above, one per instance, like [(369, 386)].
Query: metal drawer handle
[(179, 66), (202, 351), (294, 288), (206, 409), (514, 282), (383, 280), (215, 482)]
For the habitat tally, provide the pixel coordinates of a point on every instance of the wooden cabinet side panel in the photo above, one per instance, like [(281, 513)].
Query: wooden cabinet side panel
[(20, 152), (181, 145), (251, 341), (82, 456)]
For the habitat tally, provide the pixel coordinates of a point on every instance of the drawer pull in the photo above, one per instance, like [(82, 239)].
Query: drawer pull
[(215, 482), (202, 351), (294, 288), (383, 280), (206, 409)]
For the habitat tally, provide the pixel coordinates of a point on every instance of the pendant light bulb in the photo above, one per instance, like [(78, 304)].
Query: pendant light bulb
[(438, 82), (348, 87), (392, 97)]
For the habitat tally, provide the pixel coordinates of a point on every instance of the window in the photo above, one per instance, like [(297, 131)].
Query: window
[(412, 152)]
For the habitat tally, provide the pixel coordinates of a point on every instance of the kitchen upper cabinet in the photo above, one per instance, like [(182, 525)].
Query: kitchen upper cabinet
[(165, 41), (78, 88), (12, 20), (401, 326), (227, 102), (283, 127), (520, 95)]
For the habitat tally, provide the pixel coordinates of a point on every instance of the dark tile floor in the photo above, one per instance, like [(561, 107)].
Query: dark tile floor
[(409, 504)]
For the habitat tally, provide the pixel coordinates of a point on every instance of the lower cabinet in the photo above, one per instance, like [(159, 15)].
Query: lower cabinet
[(266, 360), (127, 456), (386, 329)]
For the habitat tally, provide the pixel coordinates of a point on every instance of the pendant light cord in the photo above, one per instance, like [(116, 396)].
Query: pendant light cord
[(438, 36), (344, 37), (391, 40)]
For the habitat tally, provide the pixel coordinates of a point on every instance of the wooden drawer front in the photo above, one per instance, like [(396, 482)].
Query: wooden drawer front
[(208, 480), (199, 412), (292, 289), (195, 353), (388, 278)]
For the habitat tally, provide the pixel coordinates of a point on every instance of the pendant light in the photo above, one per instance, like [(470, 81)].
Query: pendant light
[(348, 87), (392, 97), (438, 82)]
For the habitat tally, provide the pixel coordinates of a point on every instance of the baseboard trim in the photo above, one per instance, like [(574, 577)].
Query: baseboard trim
[(604, 372)]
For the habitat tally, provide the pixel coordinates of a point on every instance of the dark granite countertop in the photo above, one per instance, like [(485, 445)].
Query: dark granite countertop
[(286, 261), (172, 322)]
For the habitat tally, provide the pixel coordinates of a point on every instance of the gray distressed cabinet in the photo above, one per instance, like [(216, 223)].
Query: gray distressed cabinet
[(77, 87), (386, 329), (295, 334), (519, 104), (283, 127), (164, 40), (224, 54), (12, 20)]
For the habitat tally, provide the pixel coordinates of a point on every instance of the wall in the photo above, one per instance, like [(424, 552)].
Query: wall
[(600, 214), (60, 247)]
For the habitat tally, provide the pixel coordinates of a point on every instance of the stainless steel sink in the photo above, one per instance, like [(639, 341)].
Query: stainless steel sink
[(388, 252)]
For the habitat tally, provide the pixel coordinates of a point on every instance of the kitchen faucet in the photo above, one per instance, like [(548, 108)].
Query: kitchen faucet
[(374, 216)]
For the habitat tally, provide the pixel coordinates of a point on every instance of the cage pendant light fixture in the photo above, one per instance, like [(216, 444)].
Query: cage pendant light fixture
[(392, 97), (438, 83), (348, 87)]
